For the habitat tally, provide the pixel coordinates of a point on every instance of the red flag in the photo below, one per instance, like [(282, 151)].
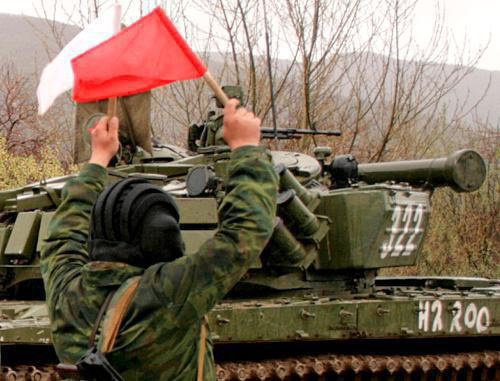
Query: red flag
[(148, 54)]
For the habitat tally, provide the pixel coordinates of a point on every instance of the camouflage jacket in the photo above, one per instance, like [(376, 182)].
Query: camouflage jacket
[(159, 336)]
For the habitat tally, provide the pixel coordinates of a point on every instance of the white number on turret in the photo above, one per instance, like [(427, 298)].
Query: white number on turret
[(407, 225), (464, 316)]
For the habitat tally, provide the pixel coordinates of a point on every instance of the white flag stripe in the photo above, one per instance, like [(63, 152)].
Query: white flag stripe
[(57, 77)]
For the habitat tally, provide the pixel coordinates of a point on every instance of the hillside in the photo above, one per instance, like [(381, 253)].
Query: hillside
[(26, 42)]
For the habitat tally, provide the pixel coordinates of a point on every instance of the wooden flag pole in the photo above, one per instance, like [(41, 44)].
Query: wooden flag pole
[(216, 88), (112, 106), (112, 102)]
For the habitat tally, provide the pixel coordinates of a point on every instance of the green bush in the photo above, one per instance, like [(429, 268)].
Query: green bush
[(19, 170)]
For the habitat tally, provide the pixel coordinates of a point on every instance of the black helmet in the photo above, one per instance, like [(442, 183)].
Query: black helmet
[(135, 222)]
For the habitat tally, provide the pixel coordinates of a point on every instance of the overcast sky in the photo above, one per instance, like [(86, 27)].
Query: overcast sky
[(476, 22)]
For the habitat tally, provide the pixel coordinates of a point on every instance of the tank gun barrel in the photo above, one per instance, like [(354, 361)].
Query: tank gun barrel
[(464, 171)]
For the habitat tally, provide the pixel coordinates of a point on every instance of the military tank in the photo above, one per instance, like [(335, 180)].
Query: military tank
[(312, 307)]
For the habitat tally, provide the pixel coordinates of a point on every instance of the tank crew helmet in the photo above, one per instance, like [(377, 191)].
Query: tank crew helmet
[(135, 222)]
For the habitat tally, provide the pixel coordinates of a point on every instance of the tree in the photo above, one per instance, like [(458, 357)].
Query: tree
[(401, 100), (19, 125)]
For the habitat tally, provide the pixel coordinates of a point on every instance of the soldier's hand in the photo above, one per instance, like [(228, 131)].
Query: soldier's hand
[(241, 127), (104, 141)]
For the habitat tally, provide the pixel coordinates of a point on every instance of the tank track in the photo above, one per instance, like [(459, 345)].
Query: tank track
[(482, 366), (29, 373)]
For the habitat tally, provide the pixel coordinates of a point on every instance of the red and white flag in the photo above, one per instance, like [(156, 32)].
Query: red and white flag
[(57, 77), (147, 54)]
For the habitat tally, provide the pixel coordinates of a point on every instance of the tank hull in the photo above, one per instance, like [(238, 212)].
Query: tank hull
[(418, 332)]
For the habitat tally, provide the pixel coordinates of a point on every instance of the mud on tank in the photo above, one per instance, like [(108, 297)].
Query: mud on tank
[(312, 307)]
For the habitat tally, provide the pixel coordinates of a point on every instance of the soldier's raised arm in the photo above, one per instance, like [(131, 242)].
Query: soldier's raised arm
[(65, 250), (190, 286)]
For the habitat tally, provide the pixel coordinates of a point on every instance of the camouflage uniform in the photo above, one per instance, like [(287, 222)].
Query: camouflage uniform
[(159, 337)]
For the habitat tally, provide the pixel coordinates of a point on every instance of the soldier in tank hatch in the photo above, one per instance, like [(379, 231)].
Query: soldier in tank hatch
[(100, 243)]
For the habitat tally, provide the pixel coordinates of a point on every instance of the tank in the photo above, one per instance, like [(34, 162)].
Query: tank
[(312, 307)]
